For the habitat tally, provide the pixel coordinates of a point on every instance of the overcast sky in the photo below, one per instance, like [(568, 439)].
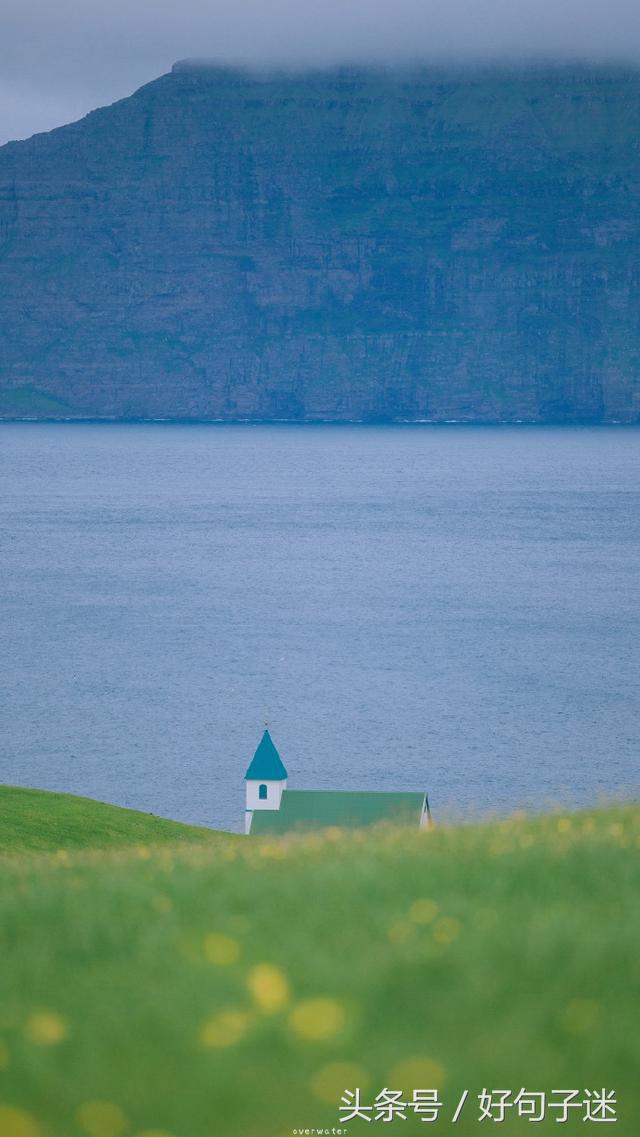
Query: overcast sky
[(61, 58)]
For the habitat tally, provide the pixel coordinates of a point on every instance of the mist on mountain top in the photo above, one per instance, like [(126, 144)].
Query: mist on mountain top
[(59, 61)]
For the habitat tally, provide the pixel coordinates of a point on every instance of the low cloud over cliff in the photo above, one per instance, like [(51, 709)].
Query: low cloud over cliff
[(58, 61)]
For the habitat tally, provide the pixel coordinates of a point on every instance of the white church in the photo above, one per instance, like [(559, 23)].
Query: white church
[(271, 807)]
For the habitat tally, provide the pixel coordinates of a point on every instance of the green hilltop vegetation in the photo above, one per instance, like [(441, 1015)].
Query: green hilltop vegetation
[(158, 981), (33, 821)]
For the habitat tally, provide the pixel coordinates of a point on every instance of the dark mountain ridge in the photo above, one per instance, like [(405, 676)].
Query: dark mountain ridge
[(355, 244)]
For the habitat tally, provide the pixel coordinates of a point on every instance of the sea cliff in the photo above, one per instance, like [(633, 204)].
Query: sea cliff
[(342, 245)]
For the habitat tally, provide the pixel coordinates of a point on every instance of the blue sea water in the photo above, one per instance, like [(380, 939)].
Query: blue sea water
[(454, 609)]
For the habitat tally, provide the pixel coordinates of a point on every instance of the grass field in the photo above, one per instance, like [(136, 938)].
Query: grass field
[(33, 821), (231, 987)]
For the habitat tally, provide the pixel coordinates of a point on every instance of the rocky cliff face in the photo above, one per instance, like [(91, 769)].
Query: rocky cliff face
[(341, 245)]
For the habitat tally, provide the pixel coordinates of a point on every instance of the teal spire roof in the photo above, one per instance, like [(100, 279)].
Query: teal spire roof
[(266, 764)]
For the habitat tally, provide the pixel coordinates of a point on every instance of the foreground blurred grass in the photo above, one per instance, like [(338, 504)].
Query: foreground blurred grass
[(235, 989)]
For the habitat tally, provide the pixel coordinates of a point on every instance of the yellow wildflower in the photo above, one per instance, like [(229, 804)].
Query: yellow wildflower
[(154, 1133), (225, 1029), (329, 1083), (423, 911), (317, 1019), (333, 833), (15, 1122), (400, 931), (102, 1119), (45, 1028), (417, 1073), (273, 850), (269, 987), (446, 930), (221, 949)]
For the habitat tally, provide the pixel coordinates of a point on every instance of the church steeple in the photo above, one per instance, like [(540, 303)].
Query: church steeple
[(265, 779), (266, 764)]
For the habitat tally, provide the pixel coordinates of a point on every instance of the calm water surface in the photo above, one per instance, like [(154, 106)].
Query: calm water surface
[(456, 609)]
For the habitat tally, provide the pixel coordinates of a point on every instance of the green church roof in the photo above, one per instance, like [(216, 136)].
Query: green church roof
[(266, 764), (319, 809)]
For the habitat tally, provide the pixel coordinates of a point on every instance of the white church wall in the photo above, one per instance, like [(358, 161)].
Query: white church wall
[(273, 798)]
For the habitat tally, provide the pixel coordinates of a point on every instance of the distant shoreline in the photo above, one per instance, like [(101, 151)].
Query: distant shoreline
[(177, 421)]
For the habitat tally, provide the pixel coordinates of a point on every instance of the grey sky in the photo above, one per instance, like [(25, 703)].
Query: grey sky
[(59, 60)]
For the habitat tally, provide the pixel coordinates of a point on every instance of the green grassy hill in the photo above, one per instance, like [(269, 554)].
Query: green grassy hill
[(236, 988), (38, 821)]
